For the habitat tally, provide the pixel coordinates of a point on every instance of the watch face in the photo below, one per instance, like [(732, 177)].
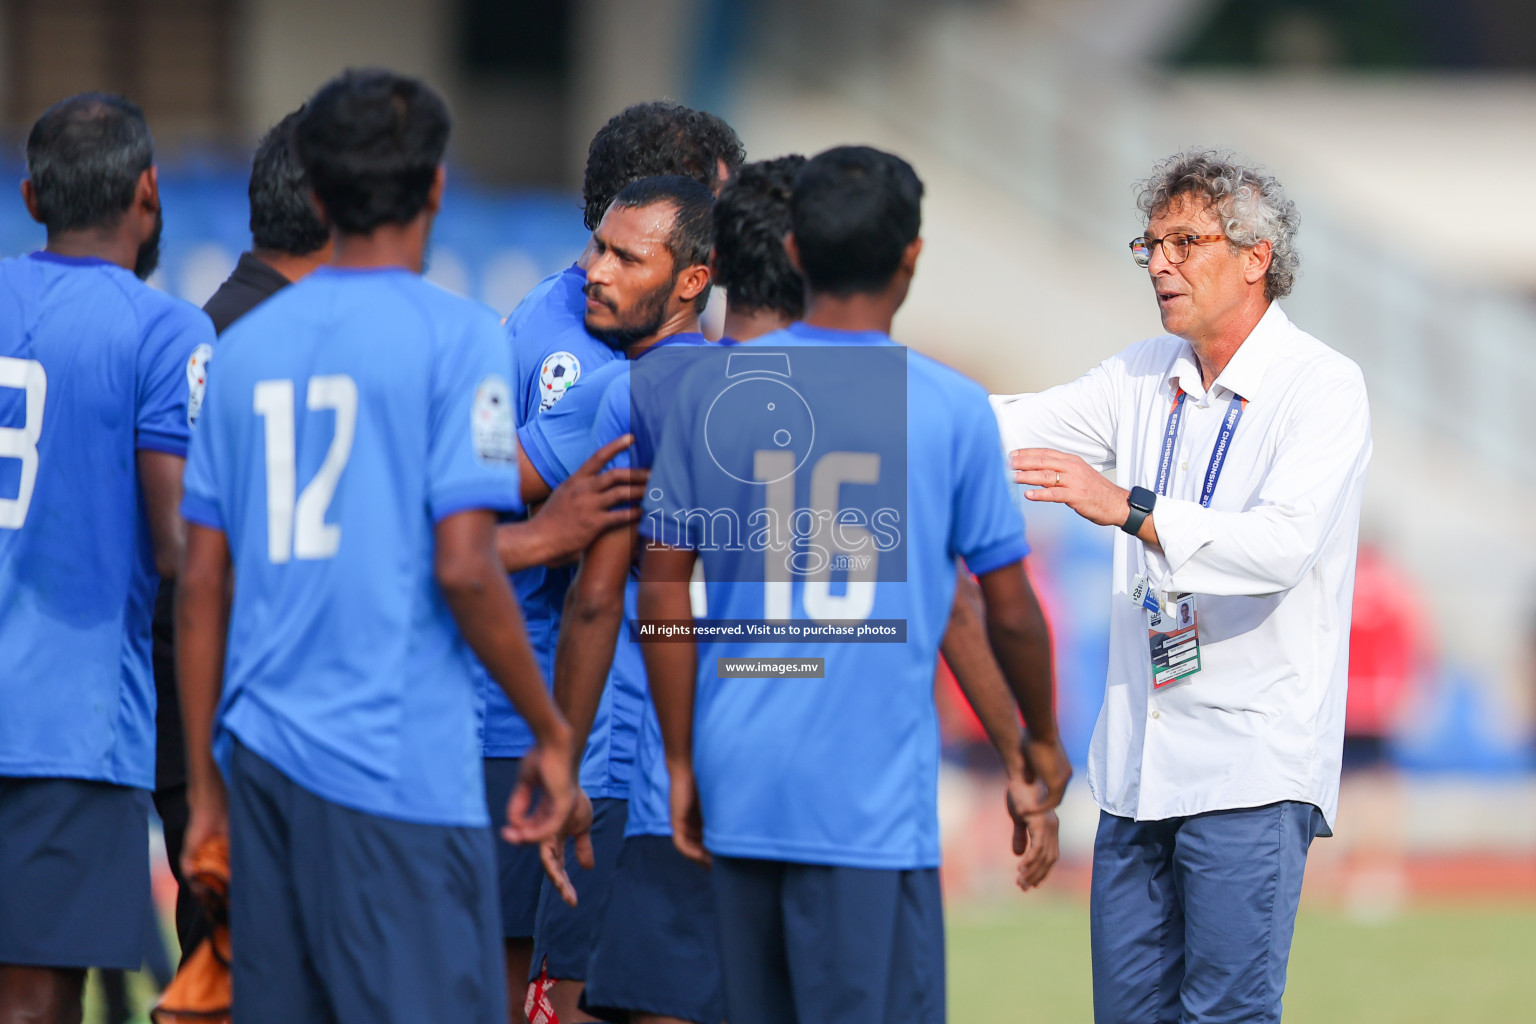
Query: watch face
[(759, 414), (1142, 499)]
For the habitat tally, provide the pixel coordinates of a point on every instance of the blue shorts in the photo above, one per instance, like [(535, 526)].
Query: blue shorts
[(659, 948), (74, 873), (564, 936), (340, 915), (519, 874), (816, 944)]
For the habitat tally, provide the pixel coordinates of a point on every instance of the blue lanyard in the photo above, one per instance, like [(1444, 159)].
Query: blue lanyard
[(1218, 455)]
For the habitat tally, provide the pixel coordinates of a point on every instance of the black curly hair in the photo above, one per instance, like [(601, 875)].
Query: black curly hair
[(751, 220), (371, 142), (652, 139), (282, 217)]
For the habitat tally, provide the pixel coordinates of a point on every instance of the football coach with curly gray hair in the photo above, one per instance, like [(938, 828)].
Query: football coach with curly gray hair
[(1242, 442)]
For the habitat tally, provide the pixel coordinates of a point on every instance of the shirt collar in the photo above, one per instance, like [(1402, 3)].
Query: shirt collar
[(70, 261), (1244, 372), (833, 336), (255, 272), (682, 338)]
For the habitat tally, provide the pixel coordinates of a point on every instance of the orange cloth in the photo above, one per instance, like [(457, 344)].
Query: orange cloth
[(201, 989)]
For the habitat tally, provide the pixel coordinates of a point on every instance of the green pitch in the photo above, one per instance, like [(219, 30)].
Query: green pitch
[(1456, 965), (1436, 966)]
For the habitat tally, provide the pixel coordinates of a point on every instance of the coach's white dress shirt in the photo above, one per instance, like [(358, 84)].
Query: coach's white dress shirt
[(1272, 561)]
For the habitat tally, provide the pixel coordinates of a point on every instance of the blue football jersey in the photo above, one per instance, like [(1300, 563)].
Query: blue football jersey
[(94, 366), (551, 350), (829, 480), (558, 442), (636, 403), (348, 415)]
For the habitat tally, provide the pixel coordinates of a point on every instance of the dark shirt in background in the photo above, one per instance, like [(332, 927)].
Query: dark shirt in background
[(251, 282), (248, 286)]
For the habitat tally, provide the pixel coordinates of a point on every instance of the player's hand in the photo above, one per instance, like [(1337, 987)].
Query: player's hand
[(1041, 848), (591, 501), (1068, 480), (1047, 770), (687, 816), (544, 796), (1020, 796), (578, 827), (207, 817)]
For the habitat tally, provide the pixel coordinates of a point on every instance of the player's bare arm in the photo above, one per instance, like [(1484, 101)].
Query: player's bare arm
[(981, 679), (573, 514), (969, 655), (589, 629), (160, 481), (1022, 644), (671, 669), (202, 623), (475, 586)]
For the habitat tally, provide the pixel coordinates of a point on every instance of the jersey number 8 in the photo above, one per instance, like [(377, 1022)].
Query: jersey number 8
[(26, 375), (299, 526)]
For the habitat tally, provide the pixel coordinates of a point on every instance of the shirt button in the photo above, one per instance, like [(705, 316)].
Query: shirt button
[(1157, 714), (1184, 467)]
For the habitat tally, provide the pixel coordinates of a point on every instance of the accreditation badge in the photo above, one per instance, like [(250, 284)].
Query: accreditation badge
[(1174, 638)]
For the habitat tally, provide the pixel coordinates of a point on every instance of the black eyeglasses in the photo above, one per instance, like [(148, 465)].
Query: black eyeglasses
[(1175, 247)]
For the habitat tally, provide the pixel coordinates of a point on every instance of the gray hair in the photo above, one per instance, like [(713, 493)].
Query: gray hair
[(1252, 205)]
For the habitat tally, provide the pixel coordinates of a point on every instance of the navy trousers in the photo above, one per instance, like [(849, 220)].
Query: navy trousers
[(1192, 917)]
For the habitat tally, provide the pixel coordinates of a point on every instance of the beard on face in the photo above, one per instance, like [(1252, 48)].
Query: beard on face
[(148, 257), (642, 321)]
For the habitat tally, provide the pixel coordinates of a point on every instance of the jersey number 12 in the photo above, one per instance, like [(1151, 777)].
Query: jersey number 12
[(299, 527)]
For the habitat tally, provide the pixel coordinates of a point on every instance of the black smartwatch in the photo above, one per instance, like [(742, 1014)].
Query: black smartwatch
[(1142, 501)]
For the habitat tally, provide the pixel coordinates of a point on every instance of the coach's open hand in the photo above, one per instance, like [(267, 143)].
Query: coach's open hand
[(1057, 476)]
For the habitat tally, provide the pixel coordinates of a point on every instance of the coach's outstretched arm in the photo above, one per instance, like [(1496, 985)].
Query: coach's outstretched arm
[(969, 655), (1022, 645), (202, 625), (672, 670), (476, 589)]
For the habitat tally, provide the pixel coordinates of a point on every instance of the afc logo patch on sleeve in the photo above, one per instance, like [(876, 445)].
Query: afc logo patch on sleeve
[(559, 372), (197, 381), (492, 428)]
